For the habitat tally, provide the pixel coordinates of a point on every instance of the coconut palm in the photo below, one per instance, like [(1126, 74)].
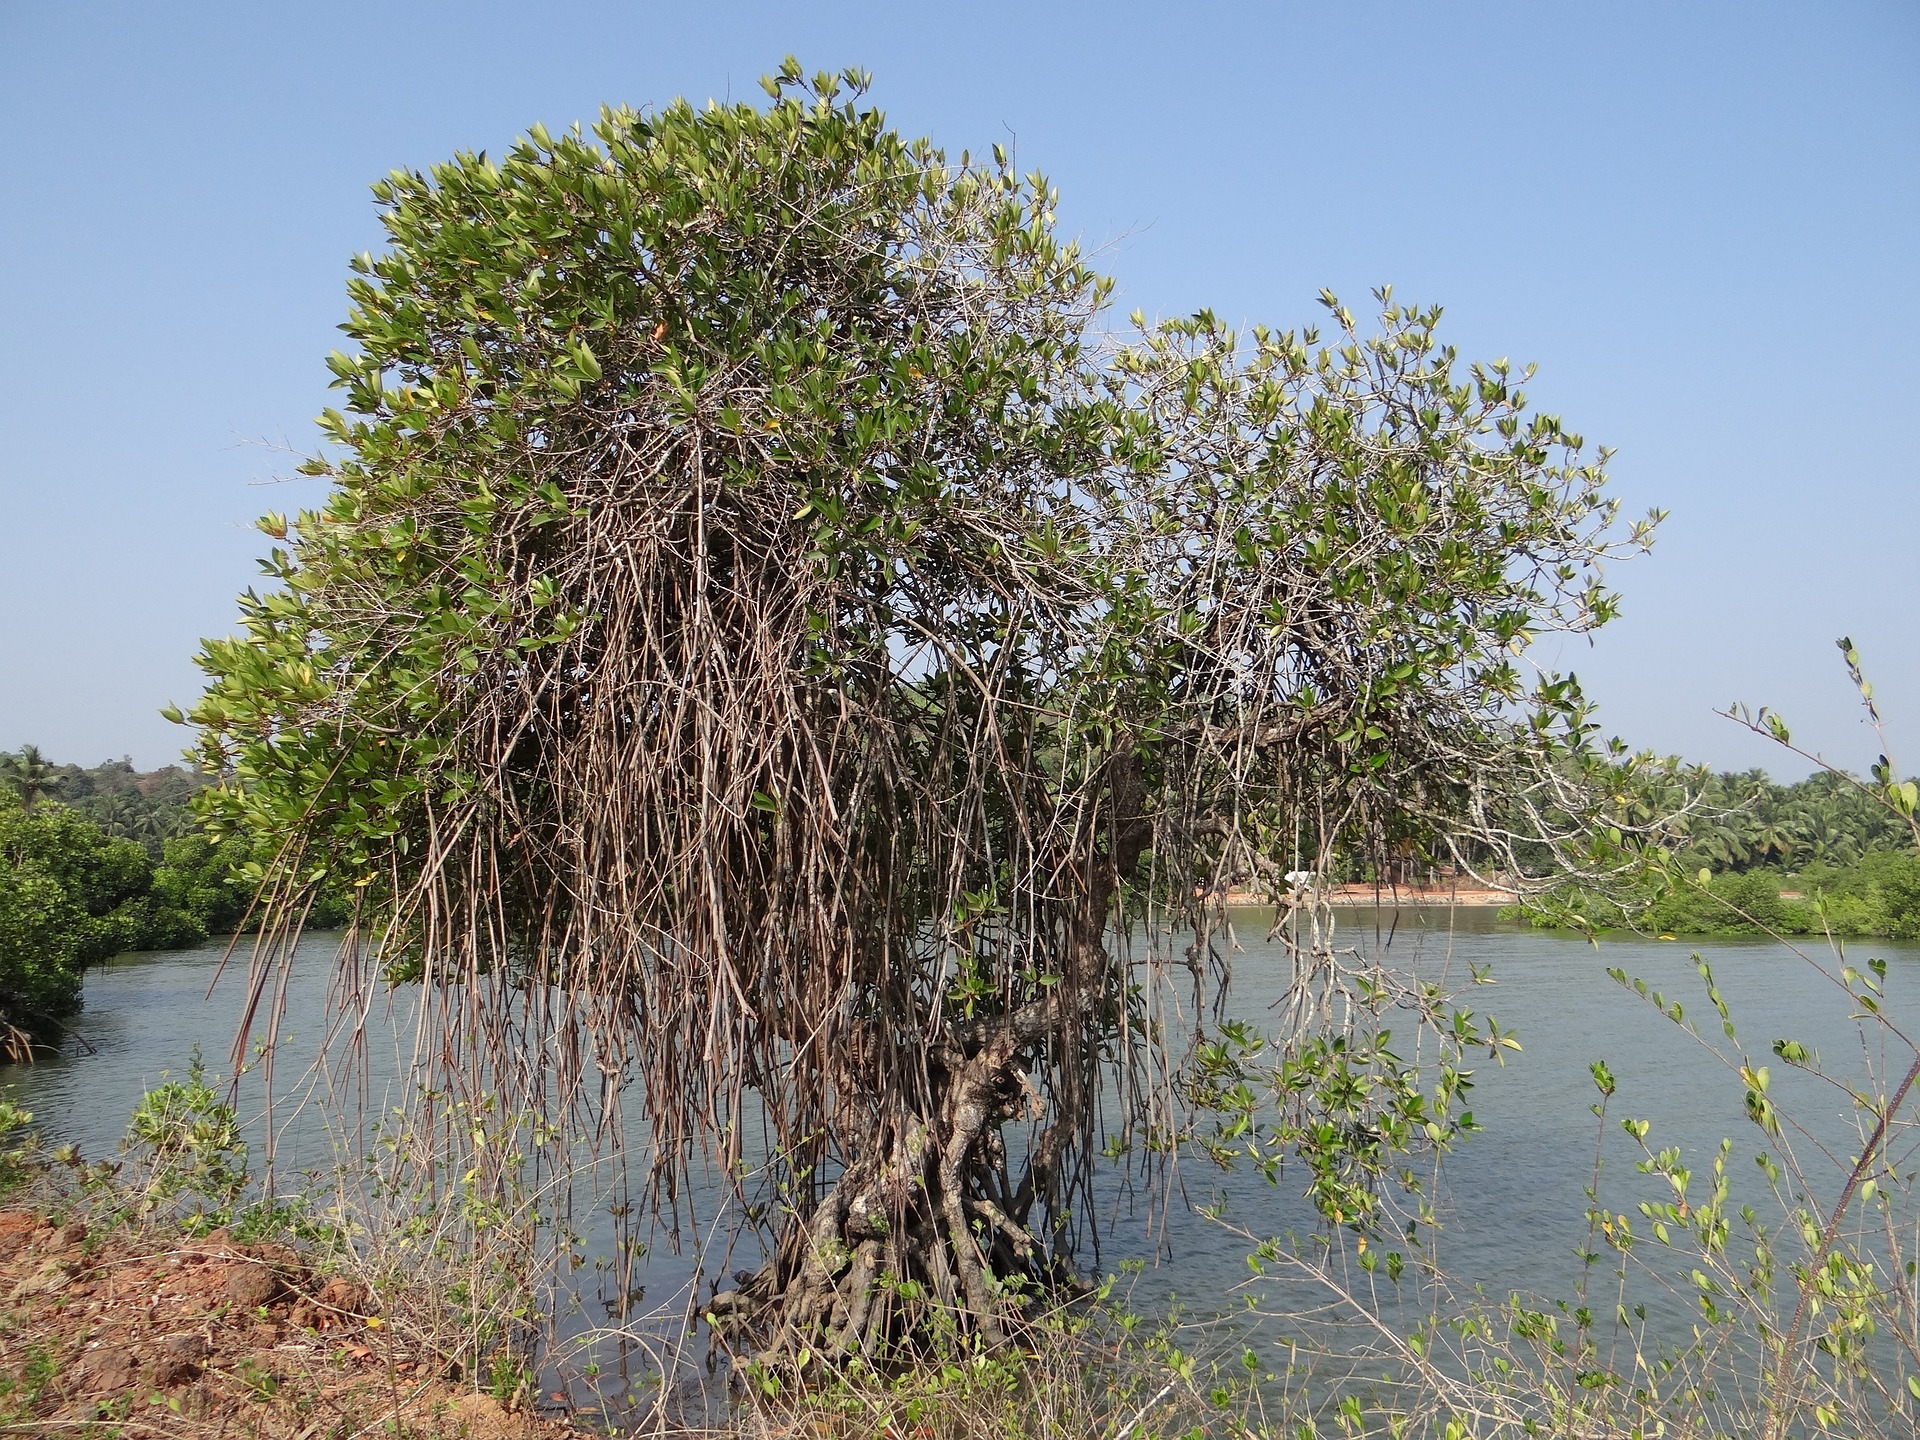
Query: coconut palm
[(27, 773), (117, 813)]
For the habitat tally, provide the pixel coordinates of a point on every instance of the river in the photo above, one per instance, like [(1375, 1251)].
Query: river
[(1511, 1199)]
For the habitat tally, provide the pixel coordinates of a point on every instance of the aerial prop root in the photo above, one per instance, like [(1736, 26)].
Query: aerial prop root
[(897, 1242)]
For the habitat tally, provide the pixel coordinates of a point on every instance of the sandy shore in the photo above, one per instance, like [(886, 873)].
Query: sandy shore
[(1389, 898)]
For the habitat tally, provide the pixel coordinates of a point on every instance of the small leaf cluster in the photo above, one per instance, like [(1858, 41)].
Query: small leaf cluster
[(1364, 1124)]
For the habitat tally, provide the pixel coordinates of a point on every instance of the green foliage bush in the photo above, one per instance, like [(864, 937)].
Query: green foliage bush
[(69, 895), (40, 928), (1742, 855), (1733, 842), (72, 895), (187, 1143), (198, 879), (1876, 896), (1879, 895), (14, 1155), (1748, 904)]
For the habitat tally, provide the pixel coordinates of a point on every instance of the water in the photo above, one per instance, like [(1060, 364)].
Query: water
[(1517, 1186), (147, 1015), (1511, 1199)]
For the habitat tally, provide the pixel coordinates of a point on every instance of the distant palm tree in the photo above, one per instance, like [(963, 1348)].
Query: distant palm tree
[(117, 814), (1781, 838), (28, 774), (153, 825)]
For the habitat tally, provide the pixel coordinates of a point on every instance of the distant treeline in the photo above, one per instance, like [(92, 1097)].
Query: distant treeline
[(148, 807), (95, 862), (1744, 821), (1824, 855)]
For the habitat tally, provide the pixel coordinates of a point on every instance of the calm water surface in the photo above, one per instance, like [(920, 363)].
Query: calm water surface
[(1512, 1197)]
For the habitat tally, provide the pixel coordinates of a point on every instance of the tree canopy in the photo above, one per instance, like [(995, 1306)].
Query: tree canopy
[(766, 644)]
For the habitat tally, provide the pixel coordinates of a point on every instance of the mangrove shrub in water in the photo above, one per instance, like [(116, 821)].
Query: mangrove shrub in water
[(765, 647)]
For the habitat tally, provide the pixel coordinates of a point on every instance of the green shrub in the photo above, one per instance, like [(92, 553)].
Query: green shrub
[(1878, 895), (72, 895), (187, 1143), (40, 933), (14, 1163), (1748, 904)]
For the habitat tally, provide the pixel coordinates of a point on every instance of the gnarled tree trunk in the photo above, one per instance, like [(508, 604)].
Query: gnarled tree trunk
[(931, 1222)]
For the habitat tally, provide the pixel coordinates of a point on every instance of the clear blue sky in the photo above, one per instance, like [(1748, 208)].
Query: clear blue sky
[(1699, 220)]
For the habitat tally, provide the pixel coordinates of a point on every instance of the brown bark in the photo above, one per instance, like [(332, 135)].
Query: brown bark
[(926, 1214)]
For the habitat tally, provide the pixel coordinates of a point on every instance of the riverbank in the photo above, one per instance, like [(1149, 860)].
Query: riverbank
[(1388, 897), (151, 1332), (1536, 1122)]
